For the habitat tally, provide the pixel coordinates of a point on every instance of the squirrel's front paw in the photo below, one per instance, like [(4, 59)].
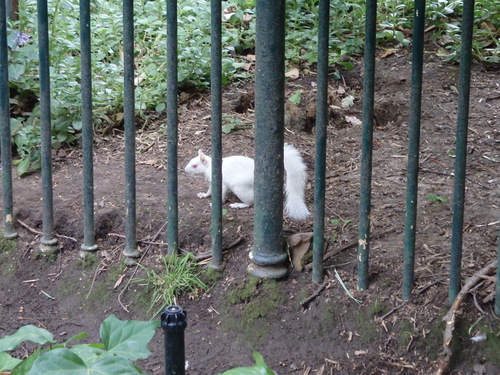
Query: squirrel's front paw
[(203, 195)]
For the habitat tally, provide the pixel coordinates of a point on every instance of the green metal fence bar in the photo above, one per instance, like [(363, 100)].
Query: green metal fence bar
[(7, 199), (172, 131), (267, 253), (216, 102), (367, 143), (89, 244), (48, 243), (497, 295), (461, 149), (321, 125), (413, 148), (130, 250)]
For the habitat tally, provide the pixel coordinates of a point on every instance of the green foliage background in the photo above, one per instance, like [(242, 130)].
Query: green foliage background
[(238, 33)]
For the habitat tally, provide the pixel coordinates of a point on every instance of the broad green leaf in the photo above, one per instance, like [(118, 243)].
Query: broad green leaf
[(23, 166), (128, 338), (88, 353), (59, 362), (228, 128), (8, 362), (160, 107), (260, 368), (113, 365), (16, 71), (26, 333), (25, 366), (296, 97)]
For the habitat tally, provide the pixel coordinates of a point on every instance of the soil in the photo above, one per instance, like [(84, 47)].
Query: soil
[(370, 333)]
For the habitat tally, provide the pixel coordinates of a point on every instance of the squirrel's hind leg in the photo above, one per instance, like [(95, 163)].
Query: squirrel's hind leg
[(239, 205)]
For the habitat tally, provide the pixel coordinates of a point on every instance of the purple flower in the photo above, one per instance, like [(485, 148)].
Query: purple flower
[(22, 38)]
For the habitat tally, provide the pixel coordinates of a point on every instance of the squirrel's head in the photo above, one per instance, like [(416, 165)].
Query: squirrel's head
[(199, 164)]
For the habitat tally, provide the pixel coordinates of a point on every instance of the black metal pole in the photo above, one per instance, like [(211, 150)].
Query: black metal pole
[(367, 144), (461, 149), (89, 246), (173, 322), (267, 252), (48, 243), (413, 148), (7, 200), (172, 131), (216, 101), (321, 126), (130, 250)]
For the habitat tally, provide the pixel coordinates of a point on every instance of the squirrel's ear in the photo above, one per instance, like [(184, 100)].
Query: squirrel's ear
[(201, 154)]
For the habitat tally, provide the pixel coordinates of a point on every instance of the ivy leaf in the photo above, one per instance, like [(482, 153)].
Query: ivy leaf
[(26, 333), (58, 362), (128, 338), (296, 97), (7, 362), (260, 368), (228, 128), (23, 166)]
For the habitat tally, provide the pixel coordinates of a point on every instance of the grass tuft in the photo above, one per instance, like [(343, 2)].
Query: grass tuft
[(178, 276)]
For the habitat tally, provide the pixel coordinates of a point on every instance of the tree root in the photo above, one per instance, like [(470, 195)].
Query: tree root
[(450, 317)]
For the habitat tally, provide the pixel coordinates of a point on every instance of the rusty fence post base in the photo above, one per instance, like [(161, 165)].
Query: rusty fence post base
[(48, 246), (10, 236), (267, 272), (86, 251)]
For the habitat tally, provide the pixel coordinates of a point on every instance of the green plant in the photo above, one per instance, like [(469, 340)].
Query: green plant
[(260, 368), (194, 40), (122, 343), (178, 276), (434, 198)]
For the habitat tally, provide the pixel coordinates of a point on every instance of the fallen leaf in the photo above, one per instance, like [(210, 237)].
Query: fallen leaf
[(293, 73), (119, 281), (353, 120), (299, 244), (348, 101), (388, 52)]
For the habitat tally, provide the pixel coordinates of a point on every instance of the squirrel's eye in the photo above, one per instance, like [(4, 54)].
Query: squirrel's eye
[(195, 165)]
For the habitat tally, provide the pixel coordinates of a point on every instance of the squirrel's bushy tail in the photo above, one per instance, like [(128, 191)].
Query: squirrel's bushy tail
[(296, 177)]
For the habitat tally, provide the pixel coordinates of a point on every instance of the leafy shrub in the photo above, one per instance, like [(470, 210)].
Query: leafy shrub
[(238, 37), (122, 343)]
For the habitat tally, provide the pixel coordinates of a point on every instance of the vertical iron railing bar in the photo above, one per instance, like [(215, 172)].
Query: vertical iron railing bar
[(48, 243), (461, 149), (6, 147), (89, 244), (497, 295), (367, 143), (267, 252), (216, 139), (321, 126), (413, 148), (172, 130), (130, 250)]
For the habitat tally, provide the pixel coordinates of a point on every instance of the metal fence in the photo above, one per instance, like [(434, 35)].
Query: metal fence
[(268, 254)]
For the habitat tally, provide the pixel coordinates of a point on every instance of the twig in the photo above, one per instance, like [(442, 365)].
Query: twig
[(204, 256), (93, 279), (418, 292), (391, 312), (451, 175), (347, 246), (450, 317), (139, 241), (32, 230), (316, 293)]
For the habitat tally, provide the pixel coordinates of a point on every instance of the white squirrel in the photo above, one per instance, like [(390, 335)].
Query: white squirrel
[(238, 176)]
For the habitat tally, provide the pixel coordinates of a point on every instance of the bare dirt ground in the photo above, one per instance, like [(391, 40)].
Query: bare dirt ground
[(332, 334)]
